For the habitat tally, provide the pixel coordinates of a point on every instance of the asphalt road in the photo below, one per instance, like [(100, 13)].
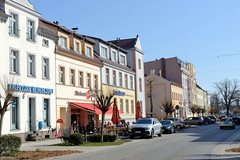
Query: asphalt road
[(187, 144)]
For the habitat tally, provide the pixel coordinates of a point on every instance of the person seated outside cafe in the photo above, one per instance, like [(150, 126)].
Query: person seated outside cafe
[(75, 127)]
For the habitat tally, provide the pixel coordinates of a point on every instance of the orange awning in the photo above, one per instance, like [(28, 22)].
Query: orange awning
[(90, 107)]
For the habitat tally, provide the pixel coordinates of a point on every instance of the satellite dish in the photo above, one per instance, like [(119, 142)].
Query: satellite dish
[(177, 107)]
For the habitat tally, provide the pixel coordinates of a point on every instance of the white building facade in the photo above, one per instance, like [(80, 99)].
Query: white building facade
[(28, 57), (135, 60)]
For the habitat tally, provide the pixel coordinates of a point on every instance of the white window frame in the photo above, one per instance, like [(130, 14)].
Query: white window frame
[(77, 46), (115, 57), (104, 51), (124, 57), (89, 52), (126, 80), (132, 106), (120, 79), (31, 65), (14, 66), (88, 80), (81, 78), (45, 43), (72, 77), (63, 42), (114, 78), (140, 84), (14, 30), (127, 106), (62, 75), (139, 64), (107, 71), (45, 65), (31, 30), (131, 82)]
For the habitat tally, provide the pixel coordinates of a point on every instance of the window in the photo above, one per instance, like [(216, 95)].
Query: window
[(114, 78), (14, 113), (120, 79), (72, 77), (30, 31), (46, 112), (81, 79), (45, 69), (139, 64), (126, 81), (121, 104), (14, 24), (131, 82), (107, 76), (159, 72), (132, 106), (62, 75), (89, 80), (77, 47), (140, 85), (45, 43), (95, 81), (104, 52), (63, 42), (14, 62), (127, 107), (122, 59), (114, 56), (89, 52), (31, 65)]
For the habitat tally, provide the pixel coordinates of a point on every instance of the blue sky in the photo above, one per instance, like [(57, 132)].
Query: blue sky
[(205, 33)]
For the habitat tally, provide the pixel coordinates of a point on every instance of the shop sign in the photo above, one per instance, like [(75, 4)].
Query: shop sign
[(31, 89), (79, 93), (119, 93)]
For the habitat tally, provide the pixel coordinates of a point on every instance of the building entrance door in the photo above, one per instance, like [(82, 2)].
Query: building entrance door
[(31, 115)]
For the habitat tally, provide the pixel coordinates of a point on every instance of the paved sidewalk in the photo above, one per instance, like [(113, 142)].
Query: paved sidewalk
[(46, 145), (219, 153)]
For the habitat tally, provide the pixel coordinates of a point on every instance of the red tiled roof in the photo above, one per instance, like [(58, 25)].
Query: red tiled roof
[(125, 43)]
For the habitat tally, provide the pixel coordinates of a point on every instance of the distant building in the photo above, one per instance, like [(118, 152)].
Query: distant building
[(135, 60), (183, 73), (28, 57), (163, 91)]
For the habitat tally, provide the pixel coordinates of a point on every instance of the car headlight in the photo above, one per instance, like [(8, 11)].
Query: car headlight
[(168, 127)]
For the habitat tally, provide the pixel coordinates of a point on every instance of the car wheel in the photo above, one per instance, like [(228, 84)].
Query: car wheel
[(132, 136), (233, 127), (178, 127), (152, 133), (160, 134)]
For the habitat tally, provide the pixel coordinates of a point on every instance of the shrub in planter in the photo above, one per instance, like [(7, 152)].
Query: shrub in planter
[(94, 138), (76, 139), (109, 138), (9, 144), (66, 139)]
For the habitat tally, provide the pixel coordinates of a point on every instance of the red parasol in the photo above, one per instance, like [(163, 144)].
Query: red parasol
[(138, 111), (115, 115)]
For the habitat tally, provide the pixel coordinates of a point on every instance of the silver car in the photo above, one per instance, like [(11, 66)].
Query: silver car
[(178, 122), (227, 122), (146, 127), (194, 121)]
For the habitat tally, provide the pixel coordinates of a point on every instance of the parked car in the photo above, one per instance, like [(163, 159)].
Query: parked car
[(227, 122), (206, 120), (213, 119), (168, 126), (178, 122), (236, 120), (194, 121), (146, 127)]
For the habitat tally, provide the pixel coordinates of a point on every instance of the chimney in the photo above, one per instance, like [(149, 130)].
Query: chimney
[(56, 22)]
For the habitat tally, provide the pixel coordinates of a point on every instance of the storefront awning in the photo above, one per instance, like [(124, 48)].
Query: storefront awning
[(90, 107)]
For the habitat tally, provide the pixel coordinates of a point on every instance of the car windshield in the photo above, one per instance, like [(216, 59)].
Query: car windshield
[(165, 122), (144, 121)]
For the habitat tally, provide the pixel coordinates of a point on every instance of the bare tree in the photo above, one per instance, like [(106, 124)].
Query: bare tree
[(6, 95), (228, 90), (203, 110), (213, 110), (199, 110), (168, 108), (193, 109), (236, 111), (104, 101)]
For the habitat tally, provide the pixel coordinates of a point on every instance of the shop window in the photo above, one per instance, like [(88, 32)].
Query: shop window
[(46, 112), (121, 104), (14, 113), (132, 106)]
